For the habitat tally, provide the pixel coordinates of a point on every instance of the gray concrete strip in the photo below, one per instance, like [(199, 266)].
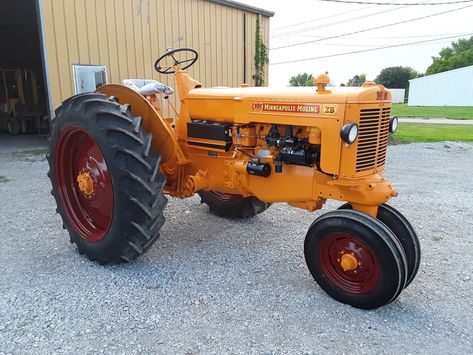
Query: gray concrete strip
[(11, 144), (434, 120)]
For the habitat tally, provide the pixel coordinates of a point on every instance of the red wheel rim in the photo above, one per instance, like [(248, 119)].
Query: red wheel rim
[(89, 206), (363, 273), (222, 196)]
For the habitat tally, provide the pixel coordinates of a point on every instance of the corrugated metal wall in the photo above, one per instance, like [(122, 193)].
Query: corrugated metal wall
[(451, 88), (129, 35), (397, 95)]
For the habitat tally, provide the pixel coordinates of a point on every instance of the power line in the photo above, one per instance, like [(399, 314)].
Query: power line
[(284, 34), (393, 37), (300, 30), (397, 3), (320, 18), (325, 17), (369, 50), (372, 28), (376, 45)]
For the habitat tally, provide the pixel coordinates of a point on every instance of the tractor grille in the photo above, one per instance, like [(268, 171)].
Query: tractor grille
[(372, 138)]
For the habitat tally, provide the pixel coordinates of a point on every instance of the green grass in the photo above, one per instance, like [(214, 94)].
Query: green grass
[(455, 113), (423, 132)]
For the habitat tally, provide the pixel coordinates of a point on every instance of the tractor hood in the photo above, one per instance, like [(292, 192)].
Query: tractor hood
[(236, 104)]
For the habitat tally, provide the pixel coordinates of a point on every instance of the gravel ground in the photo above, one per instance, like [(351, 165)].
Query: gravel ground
[(212, 285)]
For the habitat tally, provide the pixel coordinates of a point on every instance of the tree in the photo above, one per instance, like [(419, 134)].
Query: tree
[(303, 79), (459, 55), (261, 56), (357, 80), (396, 77)]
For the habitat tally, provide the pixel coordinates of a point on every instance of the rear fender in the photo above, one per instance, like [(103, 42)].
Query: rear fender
[(164, 140)]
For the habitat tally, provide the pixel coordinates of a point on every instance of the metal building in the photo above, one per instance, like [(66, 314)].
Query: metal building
[(78, 45), (450, 88), (398, 95)]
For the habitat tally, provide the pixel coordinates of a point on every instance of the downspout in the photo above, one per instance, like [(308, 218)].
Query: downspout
[(42, 39), (244, 48)]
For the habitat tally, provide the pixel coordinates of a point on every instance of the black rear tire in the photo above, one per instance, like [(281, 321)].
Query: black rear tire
[(378, 273), (404, 232), (133, 165), (232, 206)]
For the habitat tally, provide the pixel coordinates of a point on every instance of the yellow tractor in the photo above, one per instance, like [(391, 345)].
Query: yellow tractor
[(113, 157)]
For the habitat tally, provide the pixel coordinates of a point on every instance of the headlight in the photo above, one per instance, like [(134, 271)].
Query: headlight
[(349, 133), (393, 124)]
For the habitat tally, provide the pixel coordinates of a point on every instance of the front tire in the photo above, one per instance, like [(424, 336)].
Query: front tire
[(105, 178), (404, 232), (355, 259)]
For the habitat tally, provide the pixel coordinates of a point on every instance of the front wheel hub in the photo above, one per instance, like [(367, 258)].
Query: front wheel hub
[(349, 263)]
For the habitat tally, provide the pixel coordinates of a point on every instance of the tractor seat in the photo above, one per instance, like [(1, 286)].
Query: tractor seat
[(148, 87)]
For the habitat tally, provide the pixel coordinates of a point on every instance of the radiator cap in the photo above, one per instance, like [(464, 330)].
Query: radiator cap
[(321, 81)]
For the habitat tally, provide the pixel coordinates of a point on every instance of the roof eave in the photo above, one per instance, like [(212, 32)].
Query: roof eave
[(244, 7)]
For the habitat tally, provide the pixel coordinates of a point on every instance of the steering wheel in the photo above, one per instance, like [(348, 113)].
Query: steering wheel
[(175, 54)]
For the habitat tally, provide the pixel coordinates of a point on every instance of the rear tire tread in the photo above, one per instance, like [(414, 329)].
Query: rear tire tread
[(138, 198)]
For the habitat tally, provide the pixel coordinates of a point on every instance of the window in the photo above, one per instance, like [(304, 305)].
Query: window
[(87, 78)]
